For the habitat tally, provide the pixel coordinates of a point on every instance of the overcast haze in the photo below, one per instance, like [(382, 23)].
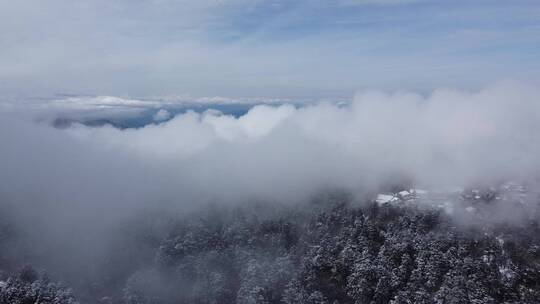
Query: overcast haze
[(275, 48)]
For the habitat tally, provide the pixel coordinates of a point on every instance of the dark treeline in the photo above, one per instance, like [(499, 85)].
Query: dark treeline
[(331, 250)]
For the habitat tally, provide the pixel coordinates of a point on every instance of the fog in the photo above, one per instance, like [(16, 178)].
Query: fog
[(446, 138), (69, 186)]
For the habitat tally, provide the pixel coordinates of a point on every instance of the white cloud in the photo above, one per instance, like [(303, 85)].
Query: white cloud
[(161, 115), (84, 180), (448, 137)]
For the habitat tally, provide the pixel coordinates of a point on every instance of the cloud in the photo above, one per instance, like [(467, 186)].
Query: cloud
[(77, 183), (447, 137), (161, 115), (101, 102)]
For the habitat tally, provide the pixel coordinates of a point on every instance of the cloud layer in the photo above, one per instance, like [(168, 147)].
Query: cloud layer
[(448, 137), (68, 187)]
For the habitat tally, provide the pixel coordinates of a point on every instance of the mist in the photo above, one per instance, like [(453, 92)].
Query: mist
[(68, 188), (446, 138), (269, 152)]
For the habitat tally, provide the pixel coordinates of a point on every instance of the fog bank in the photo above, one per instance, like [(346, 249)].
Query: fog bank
[(448, 137)]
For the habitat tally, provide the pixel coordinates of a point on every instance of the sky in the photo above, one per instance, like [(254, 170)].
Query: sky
[(255, 48)]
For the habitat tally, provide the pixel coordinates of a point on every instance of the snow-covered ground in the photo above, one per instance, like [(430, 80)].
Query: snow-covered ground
[(448, 198)]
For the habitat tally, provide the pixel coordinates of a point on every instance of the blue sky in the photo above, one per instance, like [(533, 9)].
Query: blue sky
[(301, 48)]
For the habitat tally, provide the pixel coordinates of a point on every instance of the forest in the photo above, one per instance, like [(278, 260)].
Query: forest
[(331, 249)]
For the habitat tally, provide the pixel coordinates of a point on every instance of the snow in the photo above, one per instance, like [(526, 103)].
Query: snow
[(500, 240), (404, 193), (385, 198), (487, 258), (506, 272), (513, 186), (470, 209), (2, 284)]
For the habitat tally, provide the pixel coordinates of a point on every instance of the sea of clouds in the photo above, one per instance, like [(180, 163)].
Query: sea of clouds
[(448, 137)]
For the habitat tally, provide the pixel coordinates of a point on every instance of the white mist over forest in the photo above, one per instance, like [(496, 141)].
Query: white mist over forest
[(82, 175), (69, 189), (269, 152)]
